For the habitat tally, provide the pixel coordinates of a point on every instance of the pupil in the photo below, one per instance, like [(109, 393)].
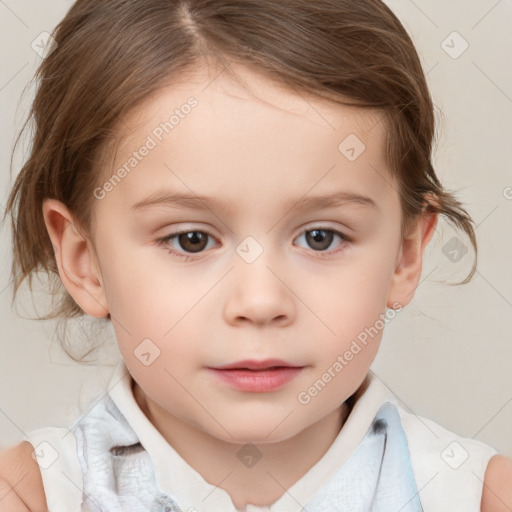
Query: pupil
[(192, 239), (319, 239)]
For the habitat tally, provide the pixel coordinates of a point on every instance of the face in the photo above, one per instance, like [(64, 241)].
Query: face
[(262, 269)]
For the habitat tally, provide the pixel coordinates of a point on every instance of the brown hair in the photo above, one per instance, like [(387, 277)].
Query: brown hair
[(112, 54)]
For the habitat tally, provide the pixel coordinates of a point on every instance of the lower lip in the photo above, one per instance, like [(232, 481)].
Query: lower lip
[(258, 380)]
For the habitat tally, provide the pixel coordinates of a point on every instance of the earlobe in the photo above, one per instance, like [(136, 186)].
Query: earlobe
[(76, 259), (410, 261)]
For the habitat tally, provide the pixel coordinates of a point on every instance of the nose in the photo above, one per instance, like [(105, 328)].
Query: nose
[(259, 294)]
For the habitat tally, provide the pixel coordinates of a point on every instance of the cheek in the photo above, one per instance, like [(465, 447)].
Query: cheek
[(155, 306), (351, 304), (140, 286), (353, 296)]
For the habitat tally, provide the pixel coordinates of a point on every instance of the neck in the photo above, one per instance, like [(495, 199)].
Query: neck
[(281, 464)]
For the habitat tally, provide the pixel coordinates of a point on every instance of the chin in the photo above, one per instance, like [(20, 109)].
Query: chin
[(255, 432)]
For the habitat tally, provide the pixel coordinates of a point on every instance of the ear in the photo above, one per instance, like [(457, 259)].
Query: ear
[(410, 260), (76, 259)]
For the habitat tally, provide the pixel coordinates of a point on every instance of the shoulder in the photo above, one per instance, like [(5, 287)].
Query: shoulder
[(497, 491), (20, 473), (447, 465)]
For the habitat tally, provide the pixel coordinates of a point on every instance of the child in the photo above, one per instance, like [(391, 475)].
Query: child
[(257, 131)]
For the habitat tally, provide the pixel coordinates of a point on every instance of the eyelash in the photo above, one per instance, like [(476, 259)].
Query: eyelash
[(164, 242)]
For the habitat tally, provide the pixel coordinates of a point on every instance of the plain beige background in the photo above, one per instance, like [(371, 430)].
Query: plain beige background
[(448, 354)]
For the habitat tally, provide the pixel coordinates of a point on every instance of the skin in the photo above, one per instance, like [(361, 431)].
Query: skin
[(258, 156)]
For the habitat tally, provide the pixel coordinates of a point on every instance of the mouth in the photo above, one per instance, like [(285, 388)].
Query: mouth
[(265, 365), (257, 376)]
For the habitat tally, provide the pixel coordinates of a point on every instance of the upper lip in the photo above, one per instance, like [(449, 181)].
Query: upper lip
[(252, 364)]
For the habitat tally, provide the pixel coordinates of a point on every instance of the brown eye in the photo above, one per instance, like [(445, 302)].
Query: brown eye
[(319, 239), (185, 243), (192, 241)]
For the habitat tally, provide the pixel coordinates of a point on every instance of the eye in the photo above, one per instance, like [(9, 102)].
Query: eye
[(186, 243), (190, 241), (320, 239)]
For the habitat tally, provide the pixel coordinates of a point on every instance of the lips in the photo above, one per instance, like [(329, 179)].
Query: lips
[(257, 376), (251, 364)]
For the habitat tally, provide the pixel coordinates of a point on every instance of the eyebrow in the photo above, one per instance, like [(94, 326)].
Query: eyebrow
[(192, 201)]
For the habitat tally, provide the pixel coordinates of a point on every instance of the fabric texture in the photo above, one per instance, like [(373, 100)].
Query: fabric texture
[(377, 477), (383, 459)]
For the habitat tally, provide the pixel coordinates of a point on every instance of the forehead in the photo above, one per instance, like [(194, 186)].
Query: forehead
[(208, 134), (247, 92)]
